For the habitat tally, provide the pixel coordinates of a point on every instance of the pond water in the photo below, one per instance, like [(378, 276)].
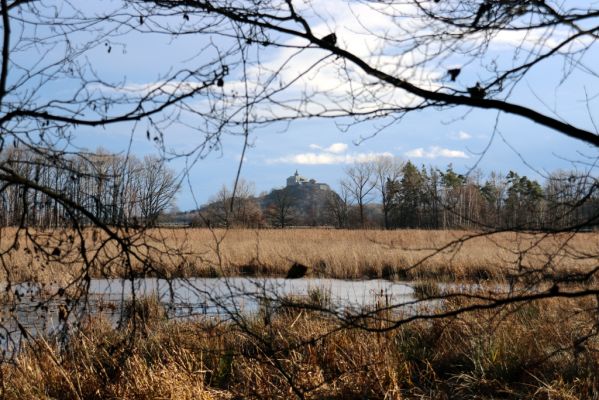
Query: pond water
[(220, 295), (37, 311), (30, 308)]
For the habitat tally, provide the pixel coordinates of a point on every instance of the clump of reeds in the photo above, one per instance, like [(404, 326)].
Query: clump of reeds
[(144, 310), (426, 289), (319, 298)]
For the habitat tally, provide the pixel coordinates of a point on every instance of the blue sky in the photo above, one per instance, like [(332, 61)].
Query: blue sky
[(319, 148)]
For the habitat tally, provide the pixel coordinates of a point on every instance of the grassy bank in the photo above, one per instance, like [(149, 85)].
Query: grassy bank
[(356, 254), (540, 350)]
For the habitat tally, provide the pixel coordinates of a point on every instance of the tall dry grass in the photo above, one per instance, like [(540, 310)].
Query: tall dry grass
[(540, 350), (346, 254)]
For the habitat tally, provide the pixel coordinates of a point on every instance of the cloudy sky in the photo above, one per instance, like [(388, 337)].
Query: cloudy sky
[(322, 148)]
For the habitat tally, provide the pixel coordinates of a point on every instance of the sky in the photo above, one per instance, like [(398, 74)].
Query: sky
[(323, 148)]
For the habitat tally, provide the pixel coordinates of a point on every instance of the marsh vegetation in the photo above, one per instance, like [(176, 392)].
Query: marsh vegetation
[(483, 319), (450, 256)]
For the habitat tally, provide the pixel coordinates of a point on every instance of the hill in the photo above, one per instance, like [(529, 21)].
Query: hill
[(301, 202)]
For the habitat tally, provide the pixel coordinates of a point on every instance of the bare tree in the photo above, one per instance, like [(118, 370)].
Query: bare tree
[(359, 182), (281, 210), (387, 170), (227, 211), (157, 189), (442, 33), (338, 206), (114, 188)]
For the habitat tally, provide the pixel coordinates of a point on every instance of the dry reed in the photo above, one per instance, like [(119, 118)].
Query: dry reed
[(345, 254)]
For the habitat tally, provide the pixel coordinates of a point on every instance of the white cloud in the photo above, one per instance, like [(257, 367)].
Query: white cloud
[(335, 148), (328, 158), (435, 152), (461, 135), (333, 154)]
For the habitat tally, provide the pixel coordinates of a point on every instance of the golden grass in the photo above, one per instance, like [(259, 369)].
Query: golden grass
[(346, 254), (534, 351)]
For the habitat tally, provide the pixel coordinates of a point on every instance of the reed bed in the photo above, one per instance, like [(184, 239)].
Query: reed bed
[(345, 254), (537, 350)]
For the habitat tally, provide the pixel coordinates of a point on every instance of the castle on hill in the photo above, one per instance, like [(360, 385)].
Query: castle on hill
[(296, 180)]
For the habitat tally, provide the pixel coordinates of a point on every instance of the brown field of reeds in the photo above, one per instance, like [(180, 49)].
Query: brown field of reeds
[(537, 350), (345, 254)]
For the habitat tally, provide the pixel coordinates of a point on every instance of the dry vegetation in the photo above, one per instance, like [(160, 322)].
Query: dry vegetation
[(535, 350), (346, 254), (544, 349)]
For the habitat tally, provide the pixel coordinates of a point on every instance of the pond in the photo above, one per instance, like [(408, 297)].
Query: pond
[(36, 310), (31, 308)]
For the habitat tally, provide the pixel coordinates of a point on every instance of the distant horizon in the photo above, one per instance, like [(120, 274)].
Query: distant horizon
[(261, 189)]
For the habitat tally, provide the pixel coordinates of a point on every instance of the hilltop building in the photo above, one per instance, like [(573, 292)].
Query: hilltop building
[(302, 202), (298, 180)]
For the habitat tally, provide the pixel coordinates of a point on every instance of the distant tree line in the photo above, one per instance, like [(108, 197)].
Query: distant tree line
[(391, 194), (432, 198), (123, 190), (116, 189)]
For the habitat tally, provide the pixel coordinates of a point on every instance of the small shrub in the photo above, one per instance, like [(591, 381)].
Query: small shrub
[(481, 274), (370, 271), (321, 268), (249, 269), (388, 272)]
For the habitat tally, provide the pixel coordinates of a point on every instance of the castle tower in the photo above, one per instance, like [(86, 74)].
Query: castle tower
[(296, 179)]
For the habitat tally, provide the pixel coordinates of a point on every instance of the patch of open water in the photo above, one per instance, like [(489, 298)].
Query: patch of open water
[(34, 310)]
